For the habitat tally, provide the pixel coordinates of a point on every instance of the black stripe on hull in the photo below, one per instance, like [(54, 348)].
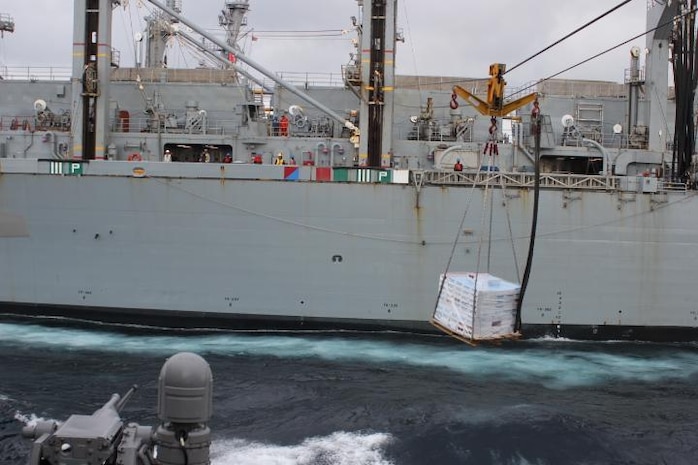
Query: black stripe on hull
[(151, 320)]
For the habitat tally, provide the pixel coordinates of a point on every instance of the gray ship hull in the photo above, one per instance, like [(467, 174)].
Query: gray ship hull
[(237, 247), (199, 229)]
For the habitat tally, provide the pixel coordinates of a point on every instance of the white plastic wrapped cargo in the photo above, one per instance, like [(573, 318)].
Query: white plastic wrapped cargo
[(476, 306)]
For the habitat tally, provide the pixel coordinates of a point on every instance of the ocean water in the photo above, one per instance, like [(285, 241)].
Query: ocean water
[(376, 399)]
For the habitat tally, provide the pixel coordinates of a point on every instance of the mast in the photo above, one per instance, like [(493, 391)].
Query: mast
[(378, 41), (232, 18), (158, 31), (657, 73), (92, 61)]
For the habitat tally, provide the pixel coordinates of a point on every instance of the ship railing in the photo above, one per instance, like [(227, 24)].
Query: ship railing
[(16, 123), (522, 180), (160, 75), (440, 131), (35, 73), (674, 186), (583, 88), (31, 123), (306, 80), (174, 125)]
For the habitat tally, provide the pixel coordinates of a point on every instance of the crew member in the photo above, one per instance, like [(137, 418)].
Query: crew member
[(274, 125), (167, 156), (279, 160), (458, 166), (283, 124)]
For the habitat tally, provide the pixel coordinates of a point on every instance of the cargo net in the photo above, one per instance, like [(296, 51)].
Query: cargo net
[(475, 307)]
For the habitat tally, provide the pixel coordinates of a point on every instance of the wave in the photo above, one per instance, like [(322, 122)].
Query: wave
[(553, 364), (340, 448)]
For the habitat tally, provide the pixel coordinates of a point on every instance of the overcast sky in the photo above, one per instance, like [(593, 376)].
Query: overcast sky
[(442, 37)]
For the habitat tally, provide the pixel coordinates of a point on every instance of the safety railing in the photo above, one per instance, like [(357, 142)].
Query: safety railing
[(55, 122), (306, 80), (35, 73), (160, 75), (527, 180), (172, 126)]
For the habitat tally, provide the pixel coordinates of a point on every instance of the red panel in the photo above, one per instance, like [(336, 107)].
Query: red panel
[(323, 173)]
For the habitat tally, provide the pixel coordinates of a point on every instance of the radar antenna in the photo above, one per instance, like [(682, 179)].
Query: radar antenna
[(7, 24)]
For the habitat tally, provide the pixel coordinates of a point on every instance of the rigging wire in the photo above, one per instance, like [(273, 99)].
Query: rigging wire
[(589, 23), (664, 24), (131, 30), (506, 203), (182, 45), (293, 31), (414, 52), (295, 39), (593, 57), (486, 195), (455, 242)]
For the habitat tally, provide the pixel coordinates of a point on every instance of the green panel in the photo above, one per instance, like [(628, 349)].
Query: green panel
[(384, 176), (340, 174), (73, 168)]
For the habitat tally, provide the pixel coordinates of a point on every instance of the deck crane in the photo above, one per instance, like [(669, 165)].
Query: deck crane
[(495, 105)]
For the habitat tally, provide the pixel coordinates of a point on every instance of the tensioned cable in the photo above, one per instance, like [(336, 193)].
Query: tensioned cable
[(610, 49), (414, 54), (506, 202), (469, 200), (580, 28), (666, 23)]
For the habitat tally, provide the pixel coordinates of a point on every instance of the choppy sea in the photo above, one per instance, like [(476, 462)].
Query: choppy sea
[(378, 399)]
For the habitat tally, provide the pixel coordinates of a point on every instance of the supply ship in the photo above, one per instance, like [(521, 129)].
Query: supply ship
[(228, 196)]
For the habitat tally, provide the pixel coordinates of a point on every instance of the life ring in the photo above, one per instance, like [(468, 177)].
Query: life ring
[(135, 157)]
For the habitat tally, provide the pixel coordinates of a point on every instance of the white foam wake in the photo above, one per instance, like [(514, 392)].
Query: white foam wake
[(340, 448), (557, 366)]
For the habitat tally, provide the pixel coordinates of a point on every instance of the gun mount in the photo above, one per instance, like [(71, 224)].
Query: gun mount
[(185, 393)]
